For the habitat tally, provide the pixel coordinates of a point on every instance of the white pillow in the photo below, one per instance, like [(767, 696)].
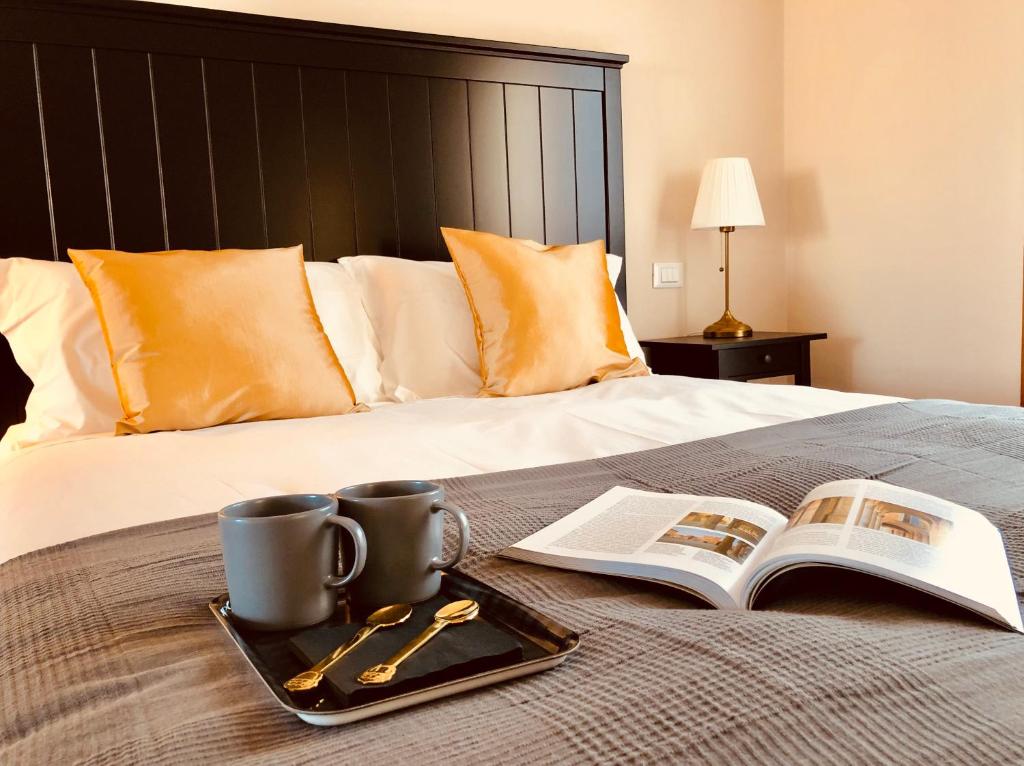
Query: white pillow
[(422, 319), (50, 321), (425, 328), (338, 301), (632, 344)]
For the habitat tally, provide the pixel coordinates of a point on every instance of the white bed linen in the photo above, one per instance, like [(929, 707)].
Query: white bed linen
[(62, 491)]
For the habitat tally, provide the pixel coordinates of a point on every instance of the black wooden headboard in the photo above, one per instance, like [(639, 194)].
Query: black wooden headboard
[(145, 127)]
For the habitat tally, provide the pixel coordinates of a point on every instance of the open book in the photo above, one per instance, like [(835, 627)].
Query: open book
[(725, 550)]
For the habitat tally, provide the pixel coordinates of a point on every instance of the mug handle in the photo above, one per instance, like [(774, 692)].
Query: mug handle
[(359, 542), (463, 522)]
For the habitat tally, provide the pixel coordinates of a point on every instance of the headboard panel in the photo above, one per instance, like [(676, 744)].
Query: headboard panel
[(144, 127)]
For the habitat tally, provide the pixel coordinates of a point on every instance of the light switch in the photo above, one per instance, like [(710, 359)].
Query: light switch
[(668, 275)]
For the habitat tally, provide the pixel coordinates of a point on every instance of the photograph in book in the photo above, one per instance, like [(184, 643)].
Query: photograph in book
[(709, 540), (752, 533), (725, 550), (903, 522), (825, 510)]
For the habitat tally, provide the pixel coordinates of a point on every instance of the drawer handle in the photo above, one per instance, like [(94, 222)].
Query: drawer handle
[(767, 359)]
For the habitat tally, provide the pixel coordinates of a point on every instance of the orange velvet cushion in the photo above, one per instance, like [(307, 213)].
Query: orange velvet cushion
[(198, 338), (546, 317)]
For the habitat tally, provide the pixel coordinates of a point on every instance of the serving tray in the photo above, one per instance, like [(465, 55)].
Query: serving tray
[(545, 642)]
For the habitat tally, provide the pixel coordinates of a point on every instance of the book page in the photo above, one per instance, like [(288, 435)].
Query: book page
[(922, 540), (711, 537)]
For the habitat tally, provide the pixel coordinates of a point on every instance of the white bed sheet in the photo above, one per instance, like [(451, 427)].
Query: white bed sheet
[(62, 491)]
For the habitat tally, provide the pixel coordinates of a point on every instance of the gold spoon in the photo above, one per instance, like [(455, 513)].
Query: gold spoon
[(384, 617), (449, 614)]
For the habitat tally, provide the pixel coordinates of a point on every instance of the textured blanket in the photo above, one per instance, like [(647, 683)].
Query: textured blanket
[(109, 654)]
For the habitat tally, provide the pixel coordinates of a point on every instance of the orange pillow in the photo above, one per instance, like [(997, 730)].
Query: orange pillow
[(198, 339), (545, 315)]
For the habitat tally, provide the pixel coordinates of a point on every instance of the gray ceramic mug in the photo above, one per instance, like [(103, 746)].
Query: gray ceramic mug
[(404, 526), (281, 559)]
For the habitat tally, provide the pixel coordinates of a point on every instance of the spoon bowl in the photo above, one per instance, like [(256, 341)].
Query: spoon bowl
[(458, 611), (389, 616)]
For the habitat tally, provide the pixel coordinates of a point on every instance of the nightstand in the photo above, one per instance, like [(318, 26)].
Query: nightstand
[(762, 355)]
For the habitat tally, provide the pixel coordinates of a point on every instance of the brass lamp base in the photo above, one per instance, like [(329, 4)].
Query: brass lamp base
[(728, 327)]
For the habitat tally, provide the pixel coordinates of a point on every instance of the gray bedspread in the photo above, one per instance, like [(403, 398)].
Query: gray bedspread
[(109, 654)]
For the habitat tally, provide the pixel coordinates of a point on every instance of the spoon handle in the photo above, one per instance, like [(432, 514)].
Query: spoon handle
[(410, 648), (385, 671), (328, 662)]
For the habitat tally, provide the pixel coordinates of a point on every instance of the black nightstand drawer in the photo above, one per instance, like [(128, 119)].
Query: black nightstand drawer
[(777, 359), (761, 355)]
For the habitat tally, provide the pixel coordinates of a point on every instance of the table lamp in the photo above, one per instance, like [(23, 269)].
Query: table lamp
[(727, 198)]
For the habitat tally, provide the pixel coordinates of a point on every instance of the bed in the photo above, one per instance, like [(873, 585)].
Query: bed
[(353, 141)]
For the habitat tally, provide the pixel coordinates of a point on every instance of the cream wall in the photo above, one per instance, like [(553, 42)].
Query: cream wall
[(904, 157), (704, 80)]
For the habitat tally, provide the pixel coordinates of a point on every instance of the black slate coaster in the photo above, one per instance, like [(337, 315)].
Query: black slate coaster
[(456, 652)]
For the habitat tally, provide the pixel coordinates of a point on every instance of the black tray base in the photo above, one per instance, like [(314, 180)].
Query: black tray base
[(273, 657)]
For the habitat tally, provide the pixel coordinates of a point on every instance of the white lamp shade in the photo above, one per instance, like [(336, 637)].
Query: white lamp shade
[(727, 195)]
